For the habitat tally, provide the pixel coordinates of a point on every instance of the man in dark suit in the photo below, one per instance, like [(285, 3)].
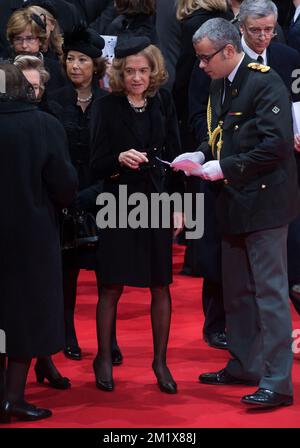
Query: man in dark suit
[(293, 30), (258, 19), (251, 141)]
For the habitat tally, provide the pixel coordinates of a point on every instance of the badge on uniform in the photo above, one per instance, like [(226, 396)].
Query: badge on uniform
[(259, 67), (275, 110)]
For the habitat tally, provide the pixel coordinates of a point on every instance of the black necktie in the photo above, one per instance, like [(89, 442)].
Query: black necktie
[(227, 90), (260, 59)]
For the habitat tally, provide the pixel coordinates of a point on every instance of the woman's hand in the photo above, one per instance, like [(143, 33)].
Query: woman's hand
[(297, 142), (132, 158)]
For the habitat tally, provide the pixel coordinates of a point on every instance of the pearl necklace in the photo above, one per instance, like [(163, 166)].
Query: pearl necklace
[(85, 100), (138, 109)]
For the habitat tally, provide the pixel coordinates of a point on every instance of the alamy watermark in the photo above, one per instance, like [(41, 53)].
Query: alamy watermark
[(154, 211)]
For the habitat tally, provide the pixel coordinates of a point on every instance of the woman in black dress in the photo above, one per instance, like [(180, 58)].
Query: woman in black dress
[(131, 127)]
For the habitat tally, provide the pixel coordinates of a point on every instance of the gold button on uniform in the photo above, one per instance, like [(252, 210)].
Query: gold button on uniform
[(263, 186)]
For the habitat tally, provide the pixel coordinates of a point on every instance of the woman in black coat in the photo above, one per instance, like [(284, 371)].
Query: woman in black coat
[(36, 178), (131, 127), (72, 104), (35, 73)]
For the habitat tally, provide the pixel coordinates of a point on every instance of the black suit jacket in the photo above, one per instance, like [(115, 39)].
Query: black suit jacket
[(293, 35), (257, 159), (284, 60)]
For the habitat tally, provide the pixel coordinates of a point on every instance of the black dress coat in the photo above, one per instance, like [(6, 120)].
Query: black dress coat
[(36, 178), (257, 156), (136, 257)]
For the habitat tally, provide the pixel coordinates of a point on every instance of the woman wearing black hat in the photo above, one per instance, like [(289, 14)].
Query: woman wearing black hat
[(84, 67), (131, 127)]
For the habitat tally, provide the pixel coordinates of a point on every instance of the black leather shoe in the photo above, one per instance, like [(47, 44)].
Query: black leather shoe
[(267, 398), (216, 340), (46, 369), (107, 386), (116, 356), (73, 353), (222, 377), (21, 411), (168, 387)]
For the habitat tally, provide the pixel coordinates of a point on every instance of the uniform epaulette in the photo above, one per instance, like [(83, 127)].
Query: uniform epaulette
[(260, 67)]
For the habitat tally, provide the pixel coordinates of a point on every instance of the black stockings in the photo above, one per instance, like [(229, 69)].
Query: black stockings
[(106, 321), (16, 377), (70, 277), (161, 320)]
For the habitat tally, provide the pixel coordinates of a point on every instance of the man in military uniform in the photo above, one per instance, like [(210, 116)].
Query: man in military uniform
[(251, 150)]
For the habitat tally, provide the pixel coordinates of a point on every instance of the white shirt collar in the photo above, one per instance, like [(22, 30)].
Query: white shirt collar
[(297, 13), (252, 53), (234, 71)]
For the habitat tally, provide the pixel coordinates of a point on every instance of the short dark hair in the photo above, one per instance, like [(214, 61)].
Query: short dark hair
[(220, 32)]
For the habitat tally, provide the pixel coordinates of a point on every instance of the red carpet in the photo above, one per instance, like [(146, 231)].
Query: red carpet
[(137, 401)]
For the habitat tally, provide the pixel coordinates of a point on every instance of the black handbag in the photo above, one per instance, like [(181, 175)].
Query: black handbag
[(78, 229)]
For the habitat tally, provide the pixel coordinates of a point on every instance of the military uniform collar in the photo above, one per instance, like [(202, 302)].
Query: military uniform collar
[(234, 71)]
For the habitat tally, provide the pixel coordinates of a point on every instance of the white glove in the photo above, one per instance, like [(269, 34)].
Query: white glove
[(209, 171), (197, 157)]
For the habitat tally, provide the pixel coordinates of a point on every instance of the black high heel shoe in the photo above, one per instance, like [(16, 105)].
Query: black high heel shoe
[(116, 356), (44, 368), (73, 353), (107, 386), (21, 411), (168, 387)]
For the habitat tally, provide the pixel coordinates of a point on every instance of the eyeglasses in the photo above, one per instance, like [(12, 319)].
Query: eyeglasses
[(28, 40), (256, 32), (207, 57)]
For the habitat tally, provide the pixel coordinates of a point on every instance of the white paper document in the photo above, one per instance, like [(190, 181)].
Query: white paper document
[(186, 165), (296, 117)]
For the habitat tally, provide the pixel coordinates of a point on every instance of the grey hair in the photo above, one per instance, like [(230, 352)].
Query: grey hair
[(257, 9), (220, 32)]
